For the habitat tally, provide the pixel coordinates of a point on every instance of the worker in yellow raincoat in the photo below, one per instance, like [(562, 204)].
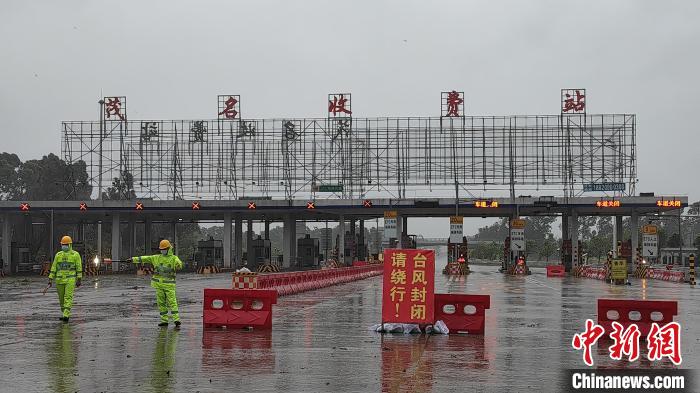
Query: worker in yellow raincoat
[(163, 281), (67, 270)]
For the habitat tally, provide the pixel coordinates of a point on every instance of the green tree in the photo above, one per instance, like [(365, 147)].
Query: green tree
[(122, 188), (9, 166), (50, 178), (497, 231), (547, 247), (598, 246)]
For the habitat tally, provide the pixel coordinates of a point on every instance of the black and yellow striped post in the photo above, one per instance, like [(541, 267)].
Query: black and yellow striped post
[(608, 266), (691, 270)]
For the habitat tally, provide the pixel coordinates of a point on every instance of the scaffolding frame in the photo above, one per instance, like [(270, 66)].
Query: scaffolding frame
[(361, 157)]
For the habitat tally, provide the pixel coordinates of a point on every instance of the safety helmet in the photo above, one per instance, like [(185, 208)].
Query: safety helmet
[(164, 244), (66, 240)]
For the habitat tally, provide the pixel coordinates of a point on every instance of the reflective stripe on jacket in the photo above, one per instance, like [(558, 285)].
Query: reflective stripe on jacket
[(164, 266)]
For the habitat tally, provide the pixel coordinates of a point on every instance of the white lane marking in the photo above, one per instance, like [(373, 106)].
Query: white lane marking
[(539, 283)]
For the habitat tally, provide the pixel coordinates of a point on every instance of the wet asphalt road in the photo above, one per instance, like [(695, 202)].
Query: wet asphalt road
[(320, 340)]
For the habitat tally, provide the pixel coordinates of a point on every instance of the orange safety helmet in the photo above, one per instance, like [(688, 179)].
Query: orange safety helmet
[(164, 244), (66, 240)]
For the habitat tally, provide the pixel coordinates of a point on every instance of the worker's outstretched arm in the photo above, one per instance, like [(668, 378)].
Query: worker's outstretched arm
[(143, 259)]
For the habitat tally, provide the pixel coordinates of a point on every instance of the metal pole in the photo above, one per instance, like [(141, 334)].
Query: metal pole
[(327, 239), (99, 174), (51, 240), (101, 102), (680, 238)]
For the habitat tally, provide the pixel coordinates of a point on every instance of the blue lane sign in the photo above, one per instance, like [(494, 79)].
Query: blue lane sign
[(604, 187)]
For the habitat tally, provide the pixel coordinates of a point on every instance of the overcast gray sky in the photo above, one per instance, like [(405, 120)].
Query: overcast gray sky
[(172, 58)]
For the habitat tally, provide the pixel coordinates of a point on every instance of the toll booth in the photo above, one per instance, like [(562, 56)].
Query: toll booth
[(455, 251), (506, 262), (308, 252), (350, 251), (210, 252), (262, 251), (21, 258)]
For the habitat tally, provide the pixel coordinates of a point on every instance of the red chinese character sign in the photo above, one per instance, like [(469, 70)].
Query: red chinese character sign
[(229, 107), (409, 286), (339, 105), (114, 108), (452, 103), (662, 342), (573, 101)]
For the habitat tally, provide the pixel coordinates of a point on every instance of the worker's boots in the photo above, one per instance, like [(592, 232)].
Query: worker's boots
[(177, 324)]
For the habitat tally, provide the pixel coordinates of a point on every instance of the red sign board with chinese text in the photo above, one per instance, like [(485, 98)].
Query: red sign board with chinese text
[(409, 286), (573, 101)]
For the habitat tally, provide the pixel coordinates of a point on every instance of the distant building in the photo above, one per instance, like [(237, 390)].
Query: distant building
[(671, 255), (210, 252)]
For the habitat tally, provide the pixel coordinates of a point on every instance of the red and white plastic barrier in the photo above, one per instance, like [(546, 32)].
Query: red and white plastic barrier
[(666, 275), (597, 273), (556, 271), (640, 312), (238, 308), (462, 313), (297, 282)]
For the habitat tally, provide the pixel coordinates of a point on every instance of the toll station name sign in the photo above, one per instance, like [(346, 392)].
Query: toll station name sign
[(409, 286)]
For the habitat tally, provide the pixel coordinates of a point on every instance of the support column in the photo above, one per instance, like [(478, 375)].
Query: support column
[(353, 236), (289, 238), (618, 233), (267, 229), (614, 235), (52, 239), (131, 250), (341, 239), (227, 240), (575, 258), (147, 236), (361, 249), (98, 246), (238, 242), (249, 244), (634, 237), (565, 236), (80, 233), (6, 242), (174, 238), (116, 242), (399, 232)]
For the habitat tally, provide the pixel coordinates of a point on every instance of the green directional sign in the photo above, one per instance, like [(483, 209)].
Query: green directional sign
[(330, 188)]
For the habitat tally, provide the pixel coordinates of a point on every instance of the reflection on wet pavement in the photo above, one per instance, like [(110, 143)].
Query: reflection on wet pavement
[(320, 339)]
